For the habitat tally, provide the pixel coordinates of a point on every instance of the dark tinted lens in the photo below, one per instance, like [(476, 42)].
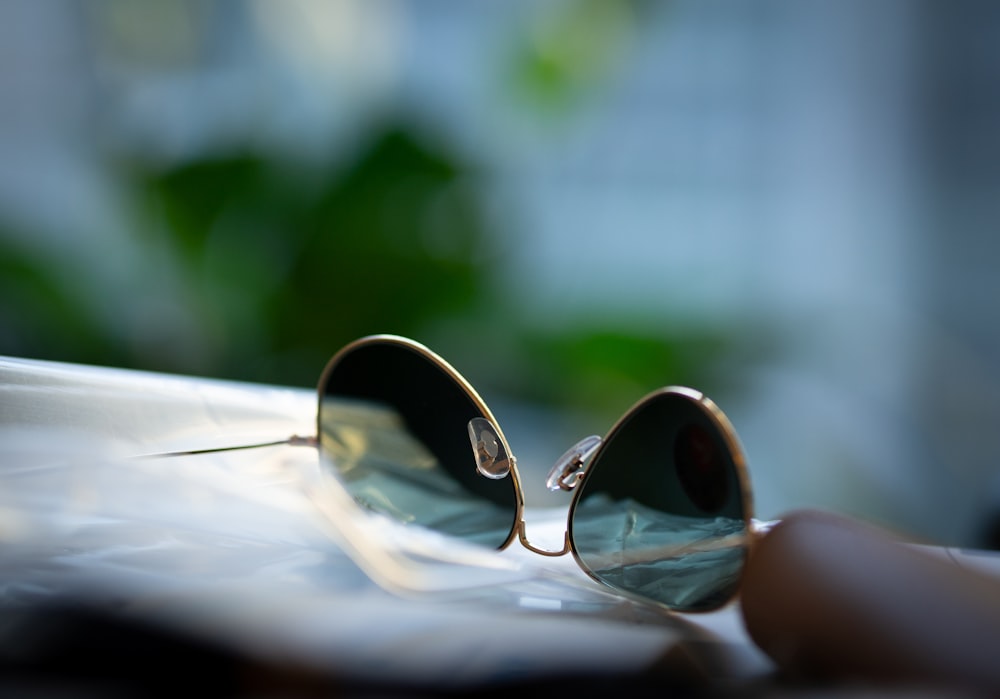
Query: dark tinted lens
[(661, 510), (395, 423)]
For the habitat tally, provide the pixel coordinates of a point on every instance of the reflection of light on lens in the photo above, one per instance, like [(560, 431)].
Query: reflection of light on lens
[(700, 468)]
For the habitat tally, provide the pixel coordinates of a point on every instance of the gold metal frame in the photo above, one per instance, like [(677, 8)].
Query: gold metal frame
[(580, 468)]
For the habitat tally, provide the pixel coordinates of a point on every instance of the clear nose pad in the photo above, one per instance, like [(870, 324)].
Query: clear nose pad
[(492, 459), (568, 468)]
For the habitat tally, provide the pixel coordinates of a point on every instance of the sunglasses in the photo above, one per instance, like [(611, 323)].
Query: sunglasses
[(660, 508)]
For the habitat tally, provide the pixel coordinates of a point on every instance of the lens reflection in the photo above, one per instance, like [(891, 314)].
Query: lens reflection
[(393, 421), (661, 510)]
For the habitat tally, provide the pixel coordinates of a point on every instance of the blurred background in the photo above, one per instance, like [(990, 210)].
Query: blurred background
[(790, 205)]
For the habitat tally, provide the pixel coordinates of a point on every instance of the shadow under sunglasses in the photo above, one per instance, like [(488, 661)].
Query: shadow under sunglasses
[(660, 509)]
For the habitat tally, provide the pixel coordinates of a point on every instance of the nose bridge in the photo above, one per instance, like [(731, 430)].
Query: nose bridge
[(522, 536), (494, 461), (565, 474)]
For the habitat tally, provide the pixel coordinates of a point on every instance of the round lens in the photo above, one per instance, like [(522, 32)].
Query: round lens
[(393, 420), (663, 511)]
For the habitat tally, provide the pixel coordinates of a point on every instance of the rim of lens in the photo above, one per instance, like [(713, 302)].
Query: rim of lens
[(450, 372), (732, 443)]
